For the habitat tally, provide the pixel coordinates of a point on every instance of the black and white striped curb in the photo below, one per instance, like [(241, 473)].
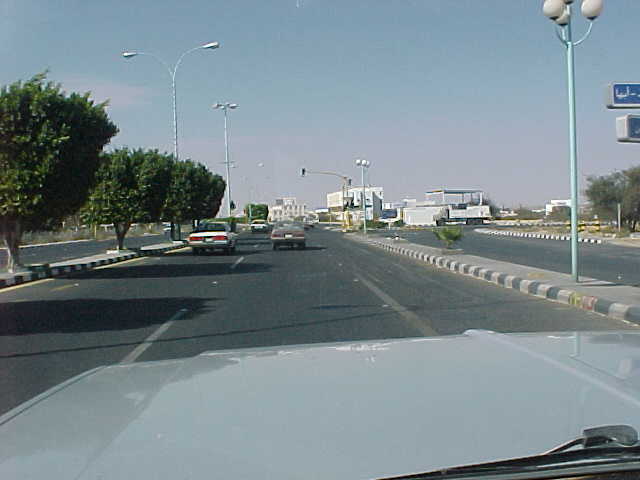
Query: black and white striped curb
[(611, 309), (545, 236), (49, 272)]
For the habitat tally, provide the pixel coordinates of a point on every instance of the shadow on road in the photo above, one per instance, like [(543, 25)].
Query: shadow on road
[(175, 270), (93, 314)]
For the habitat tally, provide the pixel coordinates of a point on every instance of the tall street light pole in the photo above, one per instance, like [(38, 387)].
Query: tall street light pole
[(226, 106), (363, 164), (560, 11), (172, 74)]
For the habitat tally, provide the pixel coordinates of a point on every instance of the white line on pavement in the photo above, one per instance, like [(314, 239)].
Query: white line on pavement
[(139, 350), (420, 324), (236, 263)]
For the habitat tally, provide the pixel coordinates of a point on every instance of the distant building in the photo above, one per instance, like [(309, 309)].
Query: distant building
[(286, 208), (352, 197), (548, 208)]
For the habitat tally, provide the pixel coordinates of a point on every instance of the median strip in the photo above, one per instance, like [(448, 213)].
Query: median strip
[(542, 236), (81, 264)]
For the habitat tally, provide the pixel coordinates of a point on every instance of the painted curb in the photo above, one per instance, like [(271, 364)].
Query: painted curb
[(51, 272), (618, 311), (544, 236)]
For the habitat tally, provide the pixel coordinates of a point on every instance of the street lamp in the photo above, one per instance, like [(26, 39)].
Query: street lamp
[(172, 74), (560, 12), (226, 106), (363, 164)]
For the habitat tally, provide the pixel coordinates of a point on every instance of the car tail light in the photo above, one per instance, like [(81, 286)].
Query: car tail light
[(219, 237), (299, 235), (196, 239), (277, 235)]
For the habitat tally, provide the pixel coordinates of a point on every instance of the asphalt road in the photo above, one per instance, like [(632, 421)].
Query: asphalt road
[(611, 263), (183, 305), (58, 252)]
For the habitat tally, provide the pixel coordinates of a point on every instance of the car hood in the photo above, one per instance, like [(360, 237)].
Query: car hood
[(341, 411)]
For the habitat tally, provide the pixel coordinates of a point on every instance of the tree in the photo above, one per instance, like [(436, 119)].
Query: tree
[(605, 192), (194, 193), (257, 211), (631, 198), (50, 146), (449, 235), (131, 187)]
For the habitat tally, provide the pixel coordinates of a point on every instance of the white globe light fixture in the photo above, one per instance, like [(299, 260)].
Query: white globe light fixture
[(592, 8), (553, 8)]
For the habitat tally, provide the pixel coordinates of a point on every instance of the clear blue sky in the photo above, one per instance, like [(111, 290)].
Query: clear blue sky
[(435, 93)]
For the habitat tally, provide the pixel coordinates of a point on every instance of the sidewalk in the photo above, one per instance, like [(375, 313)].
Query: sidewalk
[(617, 301), (84, 263)]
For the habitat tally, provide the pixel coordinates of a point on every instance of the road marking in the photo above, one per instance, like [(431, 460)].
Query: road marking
[(236, 263), (64, 287), (26, 284), (412, 319), (139, 350), (171, 252), (137, 259)]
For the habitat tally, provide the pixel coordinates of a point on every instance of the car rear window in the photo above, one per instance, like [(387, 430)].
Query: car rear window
[(211, 227)]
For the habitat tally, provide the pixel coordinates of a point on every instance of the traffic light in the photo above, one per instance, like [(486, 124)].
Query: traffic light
[(303, 172)]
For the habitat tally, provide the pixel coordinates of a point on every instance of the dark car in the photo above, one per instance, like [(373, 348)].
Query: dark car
[(288, 233)]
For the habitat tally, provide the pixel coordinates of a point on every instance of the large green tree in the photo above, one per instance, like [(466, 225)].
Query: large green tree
[(50, 145), (605, 192), (131, 187), (257, 211), (194, 193)]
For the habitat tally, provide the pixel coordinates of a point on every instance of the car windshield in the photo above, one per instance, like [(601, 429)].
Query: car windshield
[(329, 238)]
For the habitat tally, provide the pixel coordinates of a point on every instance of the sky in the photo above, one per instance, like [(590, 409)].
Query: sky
[(434, 93)]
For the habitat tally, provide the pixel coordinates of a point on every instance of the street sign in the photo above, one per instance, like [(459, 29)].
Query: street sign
[(628, 128), (623, 95)]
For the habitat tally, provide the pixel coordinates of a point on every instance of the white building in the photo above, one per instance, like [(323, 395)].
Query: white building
[(286, 208), (353, 199), (548, 208)]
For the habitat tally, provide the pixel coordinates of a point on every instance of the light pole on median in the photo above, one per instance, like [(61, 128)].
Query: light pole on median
[(172, 74), (224, 107), (363, 164), (560, 11)]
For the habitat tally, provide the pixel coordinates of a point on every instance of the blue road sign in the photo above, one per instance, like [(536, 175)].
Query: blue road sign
[(623, 95), (628, 128)]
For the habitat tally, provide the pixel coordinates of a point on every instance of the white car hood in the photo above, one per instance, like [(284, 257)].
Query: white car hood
[(333, 411)]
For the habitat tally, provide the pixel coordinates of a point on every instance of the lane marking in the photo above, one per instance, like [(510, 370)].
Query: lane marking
[(171, 252), (139, 350), (26, 284), (411, 318), (136, 259), (64, 287), (236, 263)]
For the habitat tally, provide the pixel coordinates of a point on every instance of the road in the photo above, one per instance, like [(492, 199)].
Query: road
[(58, 252), (183, 305), (611, 263)]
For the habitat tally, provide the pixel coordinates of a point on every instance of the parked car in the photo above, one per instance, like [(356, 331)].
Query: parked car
[(259, 226), (288, 233), (212, 236)]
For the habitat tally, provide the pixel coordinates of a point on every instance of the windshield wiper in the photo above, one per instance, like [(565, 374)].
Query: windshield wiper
[(613, 447), (612, 435)]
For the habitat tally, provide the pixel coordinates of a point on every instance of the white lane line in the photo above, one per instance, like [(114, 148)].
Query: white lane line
[(139, 350), (236, 263), (420, 324)]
